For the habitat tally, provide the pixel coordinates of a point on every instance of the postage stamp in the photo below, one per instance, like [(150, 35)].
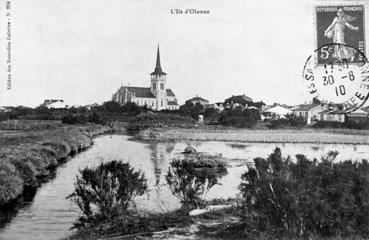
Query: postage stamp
[(338, 26)]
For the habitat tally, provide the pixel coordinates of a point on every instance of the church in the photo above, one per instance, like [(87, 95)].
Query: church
[(157, 96)]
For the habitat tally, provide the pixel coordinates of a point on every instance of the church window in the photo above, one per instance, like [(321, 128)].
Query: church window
[(161, 103), (162, 86), (154, 86)]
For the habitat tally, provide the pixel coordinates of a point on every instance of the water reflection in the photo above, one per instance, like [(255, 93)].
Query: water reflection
[(50, 215)]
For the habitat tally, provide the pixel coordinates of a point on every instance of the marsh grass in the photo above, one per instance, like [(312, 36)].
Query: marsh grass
[(29, 155), (332, 136)]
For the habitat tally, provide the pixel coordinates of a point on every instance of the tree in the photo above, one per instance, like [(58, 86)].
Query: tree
[(191, 110)]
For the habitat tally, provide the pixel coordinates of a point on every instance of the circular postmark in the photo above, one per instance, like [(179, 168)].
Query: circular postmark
[(338, 74)]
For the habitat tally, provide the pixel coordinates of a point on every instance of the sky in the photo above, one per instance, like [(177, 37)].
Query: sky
[(82, 51)]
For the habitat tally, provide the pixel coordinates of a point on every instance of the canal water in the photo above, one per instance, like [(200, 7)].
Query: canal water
[(50, 215)]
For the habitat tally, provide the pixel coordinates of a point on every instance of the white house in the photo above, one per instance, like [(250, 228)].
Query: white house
[(309, 112), (278, 112), (333, 115)]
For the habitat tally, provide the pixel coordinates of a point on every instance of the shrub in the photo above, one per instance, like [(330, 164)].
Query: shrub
[(192, 110), (110, 187), (306, 198), (11, 184), (239, 118), (158, 120), (74, 119), (347, 124), (190, 181), (95, 118), (290, 121)]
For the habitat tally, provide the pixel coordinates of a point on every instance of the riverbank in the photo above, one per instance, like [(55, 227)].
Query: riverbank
[(30, 151), (305, 135)]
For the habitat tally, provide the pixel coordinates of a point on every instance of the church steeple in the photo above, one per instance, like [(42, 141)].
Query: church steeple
[(158, 70)]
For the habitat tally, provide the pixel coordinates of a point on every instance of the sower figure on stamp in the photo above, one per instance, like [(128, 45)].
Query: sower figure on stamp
[(336, 31)]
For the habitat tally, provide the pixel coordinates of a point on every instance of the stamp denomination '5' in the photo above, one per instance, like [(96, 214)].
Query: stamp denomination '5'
[(340, 25)]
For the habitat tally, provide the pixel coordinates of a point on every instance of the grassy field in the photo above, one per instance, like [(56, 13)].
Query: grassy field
[(305, 135), (29, 150)]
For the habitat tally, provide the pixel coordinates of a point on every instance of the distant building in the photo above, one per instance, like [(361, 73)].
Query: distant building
[(309, 112), (277, 112), (217, 106), (198, 99), (332, 115), (358, 116), (6, 108), (90, 106), (156, 97), (54, 103), (237, 101)]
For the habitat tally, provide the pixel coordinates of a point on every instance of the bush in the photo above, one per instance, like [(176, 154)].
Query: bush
[(74, 119), (191, 179), (110, 187), (306, 198), (158, 120), (239, 118), (11, 184), (95, 118), (192, 110), (290, 121), (347, 124)]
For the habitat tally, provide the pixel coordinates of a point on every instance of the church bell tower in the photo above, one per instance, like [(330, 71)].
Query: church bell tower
[(159, 84)]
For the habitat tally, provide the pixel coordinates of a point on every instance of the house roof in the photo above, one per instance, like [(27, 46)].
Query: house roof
[(279, 110), (304, 108), (58, 104), (172, 103), (197, 98), (358, 113)]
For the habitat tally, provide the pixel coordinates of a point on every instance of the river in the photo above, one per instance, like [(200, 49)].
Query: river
[(50, 215)]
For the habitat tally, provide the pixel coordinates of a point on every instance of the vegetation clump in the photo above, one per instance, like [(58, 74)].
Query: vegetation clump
[(110, 188), (155, 120), (290, 122), (190, 179), (305, 199), (105, 195)]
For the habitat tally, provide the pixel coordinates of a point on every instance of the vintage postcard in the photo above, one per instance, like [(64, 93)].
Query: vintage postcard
[(184, 119)]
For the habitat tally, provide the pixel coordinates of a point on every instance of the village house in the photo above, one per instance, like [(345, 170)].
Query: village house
[(332, 115), (309, 112), (219, 106), (199, 100), (276, 112), (55, 104), (157, 96), (358, 116)]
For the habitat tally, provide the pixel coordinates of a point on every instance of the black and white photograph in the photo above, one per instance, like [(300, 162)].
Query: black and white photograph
[(184, 119)]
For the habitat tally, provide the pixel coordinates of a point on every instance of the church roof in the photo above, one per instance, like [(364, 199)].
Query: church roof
[(158, 70), (172, 103), (170, 93), (143, 92)]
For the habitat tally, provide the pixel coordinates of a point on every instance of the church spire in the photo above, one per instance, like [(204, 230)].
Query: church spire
[(158, 70)]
